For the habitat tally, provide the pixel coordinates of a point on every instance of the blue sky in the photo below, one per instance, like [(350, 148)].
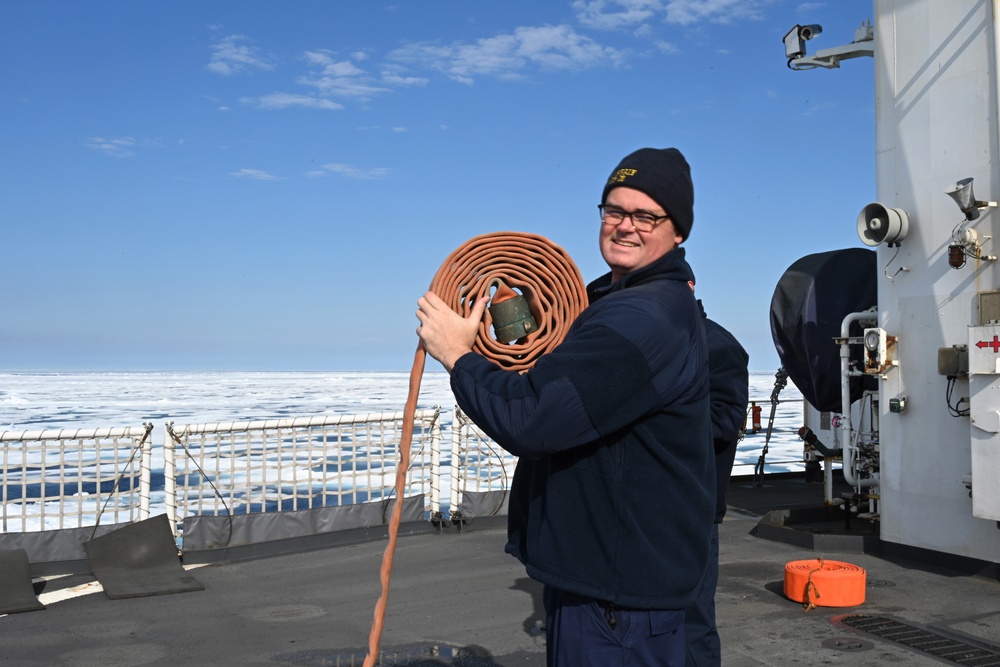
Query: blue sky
[(271, 186)]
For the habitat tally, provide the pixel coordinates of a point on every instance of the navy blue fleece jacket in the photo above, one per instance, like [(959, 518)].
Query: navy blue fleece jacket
[(730, 392), (614, 492)]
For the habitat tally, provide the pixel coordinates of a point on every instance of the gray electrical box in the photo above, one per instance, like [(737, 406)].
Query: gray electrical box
[(989, 306), (953, 361)]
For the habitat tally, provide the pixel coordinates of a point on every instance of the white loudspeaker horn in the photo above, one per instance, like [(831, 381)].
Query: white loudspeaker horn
[(961, 192), (880, 224)]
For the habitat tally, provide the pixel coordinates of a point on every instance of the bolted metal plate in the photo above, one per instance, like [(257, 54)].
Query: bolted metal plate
[(848, 644)]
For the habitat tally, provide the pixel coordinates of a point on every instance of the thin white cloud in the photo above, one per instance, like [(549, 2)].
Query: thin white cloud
[(230, 57), (286, 100), (817, 109), (392, 77), (615, 14), (667, 47), (255, 175), (508, 56), (644, 31), (633, 14), (560, 47), (352, 172), (807, 8), (120, 147), (330, 67), (687, 12), (339, 78)]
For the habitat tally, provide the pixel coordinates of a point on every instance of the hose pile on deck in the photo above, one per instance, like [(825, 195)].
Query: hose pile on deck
[(824, 583), (547, 277)]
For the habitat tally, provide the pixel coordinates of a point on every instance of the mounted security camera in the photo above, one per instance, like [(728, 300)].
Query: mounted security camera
[(795, 47), (807, 32), (795, 39)]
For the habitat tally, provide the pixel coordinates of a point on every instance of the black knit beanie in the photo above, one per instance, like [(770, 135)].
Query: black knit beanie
[(664, 175)]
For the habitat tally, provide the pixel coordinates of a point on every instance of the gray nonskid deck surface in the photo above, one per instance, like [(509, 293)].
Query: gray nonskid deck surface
[(461, 591), (760, 626)]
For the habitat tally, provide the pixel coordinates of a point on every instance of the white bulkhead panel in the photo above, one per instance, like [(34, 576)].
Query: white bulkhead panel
[(936, 124), (984, 411)]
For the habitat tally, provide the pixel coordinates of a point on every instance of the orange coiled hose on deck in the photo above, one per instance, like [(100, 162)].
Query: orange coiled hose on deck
[(547, 277), (824, 583)]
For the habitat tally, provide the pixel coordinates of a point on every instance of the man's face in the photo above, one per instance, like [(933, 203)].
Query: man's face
[(623, 247)]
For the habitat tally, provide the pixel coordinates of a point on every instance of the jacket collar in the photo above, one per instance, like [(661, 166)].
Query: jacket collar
[(672, 266)]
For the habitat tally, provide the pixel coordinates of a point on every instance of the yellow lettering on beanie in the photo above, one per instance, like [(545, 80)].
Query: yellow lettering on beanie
[(620, 175)]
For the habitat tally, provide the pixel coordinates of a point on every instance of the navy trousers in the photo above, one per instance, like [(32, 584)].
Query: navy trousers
[(703, 646), (583, 632)]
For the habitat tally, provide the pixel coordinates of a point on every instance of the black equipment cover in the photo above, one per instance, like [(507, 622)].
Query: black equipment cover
[(809, 304)]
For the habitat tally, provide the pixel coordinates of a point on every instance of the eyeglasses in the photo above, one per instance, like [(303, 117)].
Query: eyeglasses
[(643, 221)]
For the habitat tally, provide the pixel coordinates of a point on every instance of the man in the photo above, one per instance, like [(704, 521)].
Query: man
[(612, 500), (729, 389)]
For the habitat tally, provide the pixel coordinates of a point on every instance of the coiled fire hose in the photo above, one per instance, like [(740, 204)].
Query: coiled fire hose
[(497, 266), (824, 583)]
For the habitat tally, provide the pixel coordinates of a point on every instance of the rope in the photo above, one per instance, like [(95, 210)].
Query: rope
[(547, 277), (842, 584)]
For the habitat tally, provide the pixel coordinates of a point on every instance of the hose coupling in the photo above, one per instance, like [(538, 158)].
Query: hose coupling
[(512, 318)]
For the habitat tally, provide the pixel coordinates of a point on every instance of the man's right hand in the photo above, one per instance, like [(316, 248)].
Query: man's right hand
[(445, 334)]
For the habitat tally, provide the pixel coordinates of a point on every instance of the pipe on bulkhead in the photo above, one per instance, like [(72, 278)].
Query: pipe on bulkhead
[(846, 428)]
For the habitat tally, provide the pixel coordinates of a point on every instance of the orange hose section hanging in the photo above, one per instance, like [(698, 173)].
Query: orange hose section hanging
[(547, 277), (824, 583)]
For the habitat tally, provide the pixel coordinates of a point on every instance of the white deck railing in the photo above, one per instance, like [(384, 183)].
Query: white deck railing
[(79, 478), (479, 466), (280, 465), (70, 478)]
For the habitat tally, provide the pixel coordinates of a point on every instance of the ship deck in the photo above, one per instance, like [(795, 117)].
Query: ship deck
[(457, 599)]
